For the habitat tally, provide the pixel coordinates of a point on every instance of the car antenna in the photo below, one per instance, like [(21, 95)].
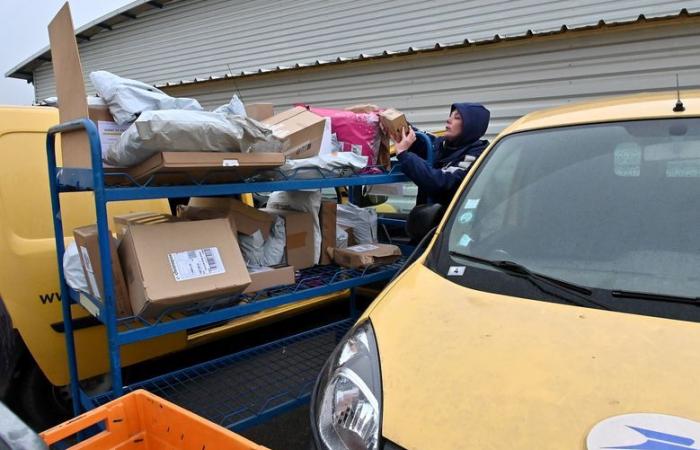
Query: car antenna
[(679, 104)]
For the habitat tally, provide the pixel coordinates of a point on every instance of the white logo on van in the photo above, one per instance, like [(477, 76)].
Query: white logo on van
[(645, 432)]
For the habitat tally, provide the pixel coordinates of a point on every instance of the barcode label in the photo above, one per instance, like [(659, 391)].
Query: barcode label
[(203, 262), (230, 163)]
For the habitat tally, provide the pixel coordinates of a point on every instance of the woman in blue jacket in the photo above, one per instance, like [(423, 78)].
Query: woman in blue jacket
[(453, 153)]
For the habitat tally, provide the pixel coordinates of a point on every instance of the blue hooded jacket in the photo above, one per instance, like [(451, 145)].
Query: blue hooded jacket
[(439, 183)]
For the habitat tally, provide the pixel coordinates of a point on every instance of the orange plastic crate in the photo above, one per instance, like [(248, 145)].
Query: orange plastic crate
[(141, 420)]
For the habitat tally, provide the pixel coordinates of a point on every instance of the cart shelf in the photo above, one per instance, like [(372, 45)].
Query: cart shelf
[(243, 389), (312, 282), (262, 388)]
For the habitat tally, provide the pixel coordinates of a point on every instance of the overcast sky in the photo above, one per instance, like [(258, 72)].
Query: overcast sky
[(23, 32)]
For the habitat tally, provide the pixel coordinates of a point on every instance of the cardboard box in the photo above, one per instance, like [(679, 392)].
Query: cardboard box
[(327, 218), (299, 230), (260, 111), (393, 121), (175, 264), (360, 256), (269, 277), (86, 238), (212, 167), (302, 129), (123, 221), (70, 90), (247, 219), (186, 212)]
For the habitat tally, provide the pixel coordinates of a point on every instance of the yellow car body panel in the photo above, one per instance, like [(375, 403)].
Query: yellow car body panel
[(468, 369), (462, 367), (28, 264)]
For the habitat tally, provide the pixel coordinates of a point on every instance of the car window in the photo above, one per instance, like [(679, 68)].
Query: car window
[(611, 206)]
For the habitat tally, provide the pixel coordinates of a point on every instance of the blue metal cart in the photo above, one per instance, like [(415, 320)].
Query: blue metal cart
[(286, 368)]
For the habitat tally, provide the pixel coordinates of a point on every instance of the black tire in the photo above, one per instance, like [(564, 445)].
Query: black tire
[(35, 400)]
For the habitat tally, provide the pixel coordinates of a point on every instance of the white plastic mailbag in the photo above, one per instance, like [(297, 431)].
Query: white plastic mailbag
[(176, 130), (127, 98)]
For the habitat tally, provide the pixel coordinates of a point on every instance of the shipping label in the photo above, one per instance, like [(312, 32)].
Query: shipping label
[(200, 263), (109, 133)]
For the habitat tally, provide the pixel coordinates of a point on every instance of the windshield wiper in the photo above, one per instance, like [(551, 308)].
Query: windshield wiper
[(656, 297), (513, 268)]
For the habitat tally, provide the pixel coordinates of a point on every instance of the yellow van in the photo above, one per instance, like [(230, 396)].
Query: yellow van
[(557, 306)]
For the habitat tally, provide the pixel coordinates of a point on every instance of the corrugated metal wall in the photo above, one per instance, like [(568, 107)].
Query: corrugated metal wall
[(200, 38), (510, 78)]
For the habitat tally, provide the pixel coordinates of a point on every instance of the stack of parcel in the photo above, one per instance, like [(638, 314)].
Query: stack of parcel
[(213, 249)]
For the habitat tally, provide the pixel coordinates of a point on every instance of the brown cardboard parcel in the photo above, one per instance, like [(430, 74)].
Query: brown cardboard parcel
[(186, 212), (259, 111), (393, 121), (177, 263), (365, 255), (122, 221), (70, 90), (213, 167), (299, 230), (268, 277), (86, 238), (302, 129), (328, 219), (247, 219)]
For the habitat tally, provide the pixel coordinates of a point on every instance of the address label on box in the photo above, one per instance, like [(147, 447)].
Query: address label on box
[(200, 263), (109, 133)]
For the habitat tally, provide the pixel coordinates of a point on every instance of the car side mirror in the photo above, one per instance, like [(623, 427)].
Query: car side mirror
[(422, 219)]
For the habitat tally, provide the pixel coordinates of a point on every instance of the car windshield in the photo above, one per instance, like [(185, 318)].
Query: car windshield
[(612, 206)]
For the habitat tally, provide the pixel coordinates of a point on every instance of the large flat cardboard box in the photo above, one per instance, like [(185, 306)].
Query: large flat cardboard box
[(70, 90), (176, 264), (260, 111), (86, 238), (247, 219), (360, 256), (123, 221), (299, 230), (393, 121), (209, 167), (327, 218), (302, 129), (269, 277)]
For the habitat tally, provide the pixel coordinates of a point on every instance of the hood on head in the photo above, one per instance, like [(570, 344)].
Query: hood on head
[(475, 121)]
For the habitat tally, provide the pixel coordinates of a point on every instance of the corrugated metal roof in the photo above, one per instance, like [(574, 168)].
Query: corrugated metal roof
[(195, 40), (130, 11)]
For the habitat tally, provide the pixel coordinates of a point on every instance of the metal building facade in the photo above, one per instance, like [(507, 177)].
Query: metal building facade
[(339, 53)]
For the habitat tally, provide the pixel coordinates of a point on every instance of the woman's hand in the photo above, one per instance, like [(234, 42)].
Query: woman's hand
[(404, 140)]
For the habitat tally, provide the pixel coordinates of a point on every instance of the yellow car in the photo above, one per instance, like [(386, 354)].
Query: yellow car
[(557, 307)]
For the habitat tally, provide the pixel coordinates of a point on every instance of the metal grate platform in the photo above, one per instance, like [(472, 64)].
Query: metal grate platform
[(312, 282), (243, 389)]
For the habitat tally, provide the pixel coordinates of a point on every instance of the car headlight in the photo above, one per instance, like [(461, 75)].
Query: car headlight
[(348, 398)]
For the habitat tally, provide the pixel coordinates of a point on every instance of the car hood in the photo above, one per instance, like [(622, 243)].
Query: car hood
[(468, 369)]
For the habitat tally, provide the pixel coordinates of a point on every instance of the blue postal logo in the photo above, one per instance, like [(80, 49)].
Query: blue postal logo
[(645, 432)]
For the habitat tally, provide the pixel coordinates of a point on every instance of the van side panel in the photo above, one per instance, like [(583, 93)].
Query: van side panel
[(28, 272)]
